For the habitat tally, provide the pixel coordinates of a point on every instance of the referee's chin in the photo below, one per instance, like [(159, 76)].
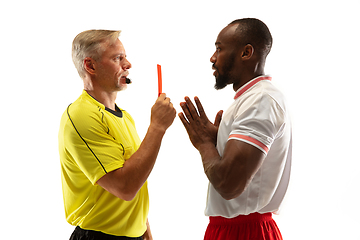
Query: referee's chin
[(122, 87)]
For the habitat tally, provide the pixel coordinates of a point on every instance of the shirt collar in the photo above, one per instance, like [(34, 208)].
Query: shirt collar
[(249, 84), (118, 111)]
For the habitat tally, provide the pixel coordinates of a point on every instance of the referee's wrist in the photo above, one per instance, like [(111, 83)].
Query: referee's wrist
[(156, 128)]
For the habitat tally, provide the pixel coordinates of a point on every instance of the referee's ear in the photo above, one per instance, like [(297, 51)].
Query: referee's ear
[(89, 65)]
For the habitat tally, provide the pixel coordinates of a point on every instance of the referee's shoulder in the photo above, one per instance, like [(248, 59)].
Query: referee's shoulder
[(82, 110)]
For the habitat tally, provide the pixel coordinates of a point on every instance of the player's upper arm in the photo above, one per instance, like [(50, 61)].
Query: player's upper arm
[(239, 164)]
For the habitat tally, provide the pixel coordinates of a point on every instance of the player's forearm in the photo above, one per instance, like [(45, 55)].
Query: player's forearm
[(210, 159), (218, 172)]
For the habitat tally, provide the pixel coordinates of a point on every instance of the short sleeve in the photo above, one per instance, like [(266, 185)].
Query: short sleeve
[(91, 146), (257, 121)]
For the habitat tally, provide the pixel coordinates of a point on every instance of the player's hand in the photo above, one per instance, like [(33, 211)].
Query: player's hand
[(163, 112), (197, 125)]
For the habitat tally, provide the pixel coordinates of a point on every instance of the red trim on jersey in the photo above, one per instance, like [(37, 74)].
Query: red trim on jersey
[(252, 140), (250, 84)]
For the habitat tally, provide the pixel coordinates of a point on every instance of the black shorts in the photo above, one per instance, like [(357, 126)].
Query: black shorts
[(81, 234)]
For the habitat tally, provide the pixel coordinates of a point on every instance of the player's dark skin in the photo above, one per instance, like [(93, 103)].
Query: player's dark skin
[(231, 173)]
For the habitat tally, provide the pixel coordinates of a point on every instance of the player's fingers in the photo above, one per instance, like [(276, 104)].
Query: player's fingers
[(200, 108), (191, 108), (186, 111), (218, 118), (184, 121)]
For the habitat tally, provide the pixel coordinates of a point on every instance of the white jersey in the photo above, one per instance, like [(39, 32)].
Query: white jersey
[(259, 117)]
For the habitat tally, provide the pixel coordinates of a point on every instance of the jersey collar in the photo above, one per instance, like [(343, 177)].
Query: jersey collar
[(118, 111), (250, 84)]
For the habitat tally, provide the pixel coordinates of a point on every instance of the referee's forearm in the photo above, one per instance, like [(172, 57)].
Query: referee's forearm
[(138, 167)]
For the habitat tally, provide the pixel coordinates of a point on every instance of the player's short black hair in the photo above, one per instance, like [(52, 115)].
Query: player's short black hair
[(253, 31)]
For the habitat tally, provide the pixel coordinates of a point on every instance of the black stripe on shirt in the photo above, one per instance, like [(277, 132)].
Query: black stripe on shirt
[(67, 110)]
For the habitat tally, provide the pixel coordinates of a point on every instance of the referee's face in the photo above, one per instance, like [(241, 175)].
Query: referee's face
[(113, 67)]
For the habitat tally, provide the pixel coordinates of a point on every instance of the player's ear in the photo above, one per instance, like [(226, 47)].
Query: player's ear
[(89, 65), (247, 52)]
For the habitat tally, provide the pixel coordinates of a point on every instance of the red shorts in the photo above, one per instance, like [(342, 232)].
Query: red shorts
[(254, 226)]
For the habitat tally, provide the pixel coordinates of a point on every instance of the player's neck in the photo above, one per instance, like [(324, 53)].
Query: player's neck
[(247, 76)]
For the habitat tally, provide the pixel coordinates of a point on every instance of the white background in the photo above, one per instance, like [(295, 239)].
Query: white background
[(314, 61)]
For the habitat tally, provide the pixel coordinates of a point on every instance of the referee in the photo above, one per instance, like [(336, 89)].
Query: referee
[(104, 164)]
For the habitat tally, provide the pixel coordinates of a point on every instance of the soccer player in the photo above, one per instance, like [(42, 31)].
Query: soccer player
[(246, 153)]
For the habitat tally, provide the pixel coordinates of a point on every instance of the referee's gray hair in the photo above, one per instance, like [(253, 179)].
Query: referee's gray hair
[(88, 44)]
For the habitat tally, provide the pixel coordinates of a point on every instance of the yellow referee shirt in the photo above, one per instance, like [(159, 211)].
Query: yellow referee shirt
[(93, 141)]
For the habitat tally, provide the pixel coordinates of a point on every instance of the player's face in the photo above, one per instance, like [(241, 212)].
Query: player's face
[(113, 67), (223, 58)]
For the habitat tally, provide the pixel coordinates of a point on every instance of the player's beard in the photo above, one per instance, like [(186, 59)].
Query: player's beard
[(222, 80)]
